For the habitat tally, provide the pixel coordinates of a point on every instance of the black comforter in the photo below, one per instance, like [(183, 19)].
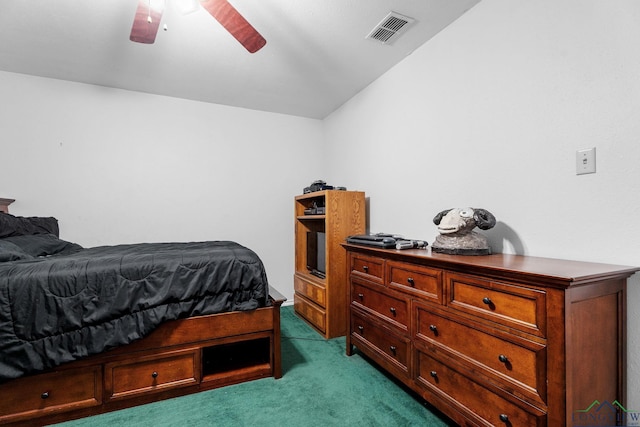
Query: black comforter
[(79, 302)]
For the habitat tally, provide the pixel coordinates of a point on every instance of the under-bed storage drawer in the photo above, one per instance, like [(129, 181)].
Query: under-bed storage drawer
[(51, 393), (156, 372)]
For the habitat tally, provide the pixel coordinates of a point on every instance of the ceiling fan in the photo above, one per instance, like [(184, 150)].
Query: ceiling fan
[(149, 13)]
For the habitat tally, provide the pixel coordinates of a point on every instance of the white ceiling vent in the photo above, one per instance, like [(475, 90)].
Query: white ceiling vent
[(390, 28)]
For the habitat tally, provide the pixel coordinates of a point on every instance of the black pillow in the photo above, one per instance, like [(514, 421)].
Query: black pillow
[(11, 252), (22, 226), (43, 245)]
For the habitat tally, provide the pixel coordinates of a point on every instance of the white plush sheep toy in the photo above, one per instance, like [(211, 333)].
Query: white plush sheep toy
[(456, 235)]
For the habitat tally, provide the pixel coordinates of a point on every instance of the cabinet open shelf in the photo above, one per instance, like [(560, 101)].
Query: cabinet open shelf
[(234, 356), (235, 359), (310, 217)]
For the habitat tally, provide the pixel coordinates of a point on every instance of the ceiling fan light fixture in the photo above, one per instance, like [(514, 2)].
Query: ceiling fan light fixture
[(149, 13)]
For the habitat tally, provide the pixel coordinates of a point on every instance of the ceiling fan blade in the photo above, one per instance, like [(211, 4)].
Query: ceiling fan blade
[(147, 20), (235, 23)]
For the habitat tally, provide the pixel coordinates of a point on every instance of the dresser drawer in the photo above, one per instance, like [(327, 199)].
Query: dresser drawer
[(371, 268), (473, 398), (312, 313), (150, 373), (393, 307), (519, 362), (388, 348), (310, 289), (421, 281), (504, 303), (47, 394)]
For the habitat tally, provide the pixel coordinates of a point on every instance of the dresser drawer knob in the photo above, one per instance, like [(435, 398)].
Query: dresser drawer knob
[(365, 268), (411, 281), (392, 310), (433, 328), (487, 300), (433, 374), (361, 296), (504, 418), (44, 395), (361, 328), (154, 374), (503, 358), (393, 349)]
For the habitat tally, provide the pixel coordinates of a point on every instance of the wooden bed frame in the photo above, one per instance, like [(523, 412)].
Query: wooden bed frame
[(179, 357)]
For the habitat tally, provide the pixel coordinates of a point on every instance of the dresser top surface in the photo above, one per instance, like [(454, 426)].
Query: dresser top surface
[(565, 271)]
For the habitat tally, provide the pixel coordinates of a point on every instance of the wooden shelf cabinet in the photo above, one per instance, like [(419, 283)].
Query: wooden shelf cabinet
[(501, 340), (322, 301)]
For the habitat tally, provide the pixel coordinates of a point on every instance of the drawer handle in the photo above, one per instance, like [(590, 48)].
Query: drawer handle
[(393, 349), (361, 296), (411, 281), (361, 329), (433, 329), (503, 358), (392, 310), (44, 395), (487, 300), (433, 374), (504, 418), (365, 268), (154, 374)]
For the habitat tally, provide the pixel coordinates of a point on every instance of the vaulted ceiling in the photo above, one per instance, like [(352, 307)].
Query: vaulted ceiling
[(317, 55)]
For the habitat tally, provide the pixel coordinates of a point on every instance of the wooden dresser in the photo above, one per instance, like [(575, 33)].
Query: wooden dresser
[(502, 340)]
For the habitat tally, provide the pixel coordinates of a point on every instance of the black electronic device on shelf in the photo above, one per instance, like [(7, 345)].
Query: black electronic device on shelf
[(314, 209), (378, 240), (387, 241), (320, 185)]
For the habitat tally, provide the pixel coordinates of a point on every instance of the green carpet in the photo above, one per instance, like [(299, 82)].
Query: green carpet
[(320, 386)]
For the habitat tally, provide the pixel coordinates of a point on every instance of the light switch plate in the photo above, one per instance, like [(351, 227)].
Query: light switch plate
[(586, 161)]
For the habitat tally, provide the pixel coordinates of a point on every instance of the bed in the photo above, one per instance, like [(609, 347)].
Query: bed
[(90, 330)]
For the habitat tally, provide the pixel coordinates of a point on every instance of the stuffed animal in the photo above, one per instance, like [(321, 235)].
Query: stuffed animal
[(456, 231)]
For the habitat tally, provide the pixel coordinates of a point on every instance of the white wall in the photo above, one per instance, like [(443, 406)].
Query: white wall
[(117, 167), (490, 114)]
